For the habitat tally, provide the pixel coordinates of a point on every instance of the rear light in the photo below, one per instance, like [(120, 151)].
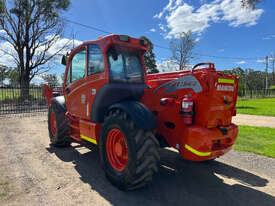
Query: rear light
[(185, 105), (123, 38)]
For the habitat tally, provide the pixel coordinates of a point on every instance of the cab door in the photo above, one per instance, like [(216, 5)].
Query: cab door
[(96, 76), (75, 84)]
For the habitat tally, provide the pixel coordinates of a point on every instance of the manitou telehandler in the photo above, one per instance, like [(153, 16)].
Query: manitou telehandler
[(109, 100)]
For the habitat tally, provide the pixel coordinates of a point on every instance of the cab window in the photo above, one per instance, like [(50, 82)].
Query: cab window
[(96, 62), (78, 66), (116, 68), (125, 66)]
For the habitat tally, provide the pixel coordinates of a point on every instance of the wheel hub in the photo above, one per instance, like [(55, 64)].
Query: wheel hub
[(117, 149)]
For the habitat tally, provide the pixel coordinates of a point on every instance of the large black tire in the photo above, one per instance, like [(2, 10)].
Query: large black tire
[(143, 156), (61, 138)]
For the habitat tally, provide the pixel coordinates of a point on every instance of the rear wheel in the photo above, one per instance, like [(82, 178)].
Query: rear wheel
[(58, 127), (129, 155)]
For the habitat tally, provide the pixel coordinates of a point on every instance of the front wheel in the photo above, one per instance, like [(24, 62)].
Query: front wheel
[(129, 155)]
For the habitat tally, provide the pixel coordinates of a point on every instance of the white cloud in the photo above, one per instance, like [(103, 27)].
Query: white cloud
[(60, 44), (38, 79), (221, 50), (236, 15), (152, 30), (169, 7), (5, 49), (2, 31), (197, 39), (269, 37), (161, 26), (264, 60), (182, 17), (260, 61), (241, 62), (168, 66)]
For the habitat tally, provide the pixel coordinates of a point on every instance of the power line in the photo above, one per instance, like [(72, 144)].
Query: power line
[(162, 47), (87, 26), (224, 57), (159, 46)]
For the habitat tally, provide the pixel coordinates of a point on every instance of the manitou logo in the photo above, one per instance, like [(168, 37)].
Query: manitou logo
[(226, 88)]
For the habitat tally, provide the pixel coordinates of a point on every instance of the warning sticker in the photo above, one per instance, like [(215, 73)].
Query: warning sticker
[(226, 88)]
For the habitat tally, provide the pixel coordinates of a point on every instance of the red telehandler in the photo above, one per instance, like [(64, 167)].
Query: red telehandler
[(109, 100)]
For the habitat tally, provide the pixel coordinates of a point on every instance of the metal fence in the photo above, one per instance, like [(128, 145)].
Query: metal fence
[(259, 93), (16, 100), (12, 100)]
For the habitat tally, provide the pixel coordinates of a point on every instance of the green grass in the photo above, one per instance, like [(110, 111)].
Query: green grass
[(264, 107), (9, 95), (258, 140)]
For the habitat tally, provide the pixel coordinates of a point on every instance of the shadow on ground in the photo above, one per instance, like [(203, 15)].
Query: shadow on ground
[(178, 182)]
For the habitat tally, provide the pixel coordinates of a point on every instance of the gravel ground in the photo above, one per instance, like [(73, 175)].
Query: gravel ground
[(38, 174), (254, 120)]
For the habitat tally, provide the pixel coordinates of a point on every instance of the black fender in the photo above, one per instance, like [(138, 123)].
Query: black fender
[(59, 104), (139, 113), (114, 93)]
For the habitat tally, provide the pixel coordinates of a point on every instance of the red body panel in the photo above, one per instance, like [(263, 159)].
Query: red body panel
[(89, 129), (213, 93), (211, 112)]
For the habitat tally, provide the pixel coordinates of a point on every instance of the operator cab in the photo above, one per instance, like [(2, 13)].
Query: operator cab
[(114, 62), (123, 59)]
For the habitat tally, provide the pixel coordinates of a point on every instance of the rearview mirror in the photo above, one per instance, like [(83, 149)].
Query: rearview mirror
[(64, 60)]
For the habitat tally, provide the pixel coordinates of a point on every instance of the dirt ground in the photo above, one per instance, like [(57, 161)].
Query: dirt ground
[(34, 173), (254, 120)]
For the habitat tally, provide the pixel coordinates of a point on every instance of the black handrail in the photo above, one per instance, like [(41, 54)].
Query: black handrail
[(210, 66)]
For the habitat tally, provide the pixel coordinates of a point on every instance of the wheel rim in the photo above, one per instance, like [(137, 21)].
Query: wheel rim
[(53, 124), (117, 149)]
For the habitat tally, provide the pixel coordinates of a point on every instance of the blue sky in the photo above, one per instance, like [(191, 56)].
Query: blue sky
[(223, 29)]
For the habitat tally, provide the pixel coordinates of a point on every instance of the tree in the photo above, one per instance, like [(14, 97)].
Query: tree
[(3, 74), (248, 79), (32, 27), (51, 79), (255, 79), (14, 77), (250, 3), (181, 48), (149, 58)]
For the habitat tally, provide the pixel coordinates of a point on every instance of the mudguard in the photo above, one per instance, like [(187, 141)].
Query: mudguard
[(114, 93), (60, 104), (139, 113)]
